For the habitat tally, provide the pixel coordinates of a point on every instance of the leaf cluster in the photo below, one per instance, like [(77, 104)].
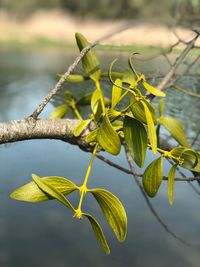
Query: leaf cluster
[(136, 126)]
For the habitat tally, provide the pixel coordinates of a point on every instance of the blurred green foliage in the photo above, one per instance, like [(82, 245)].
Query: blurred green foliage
[(111, 9)]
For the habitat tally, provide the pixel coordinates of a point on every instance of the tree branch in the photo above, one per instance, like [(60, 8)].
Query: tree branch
[(29, 128), (179, 60), (63, 78), (127, 171)]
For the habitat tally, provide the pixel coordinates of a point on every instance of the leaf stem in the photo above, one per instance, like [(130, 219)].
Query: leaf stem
[(83, 188), (98, 87), (75, 110)]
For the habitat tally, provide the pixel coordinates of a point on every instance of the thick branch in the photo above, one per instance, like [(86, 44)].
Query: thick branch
[(26, 129)]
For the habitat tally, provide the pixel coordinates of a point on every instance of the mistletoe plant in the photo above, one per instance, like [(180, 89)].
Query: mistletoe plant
[(136, 126)]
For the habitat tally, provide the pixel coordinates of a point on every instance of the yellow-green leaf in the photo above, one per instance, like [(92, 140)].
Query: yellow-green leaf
[(58, 112), (152, 89), (135, 137), (113, 114), (171, 176), (85, 100), (90, 61), (113, 211), (51, 191), (96, 103), (98, 232), (175, 128), (74, 78), (161, 107), (91, 137), (116, 92), (151, 128), (152, 177), (197, 167), (32, 193), (138, 112), (68, 96), (128, 77), (81, 127), (188, 156), (108, 138)]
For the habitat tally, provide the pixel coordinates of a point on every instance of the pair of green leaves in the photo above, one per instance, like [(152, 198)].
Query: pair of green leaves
[(60, 111), (153, 175), (105, 135), (144, 112), (52, 187), (186, 158), (114, 213)]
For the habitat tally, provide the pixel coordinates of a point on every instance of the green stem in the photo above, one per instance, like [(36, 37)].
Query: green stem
[(125, 109), (83, 188), (98, 87), (75, 110)]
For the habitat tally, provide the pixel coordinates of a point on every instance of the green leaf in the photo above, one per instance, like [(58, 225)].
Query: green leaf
[(32, 193), (108, 138), (175, 128), (197, 167), (152, 177), (151, 128), (91, 137), (138, 112), (135, 137), (68, 96), (58, 112), (152, 89), (128, 77), (188, 156), (171, 176), (113, 211), (85, 100), (90, 61), (96, 104), (113, 114), (116, 92), (98, 232), (81, 127), (51, 191), (161, 107), (74, 78)]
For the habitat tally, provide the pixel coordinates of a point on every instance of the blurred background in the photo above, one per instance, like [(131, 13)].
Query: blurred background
[(36, 43), (57, 20)]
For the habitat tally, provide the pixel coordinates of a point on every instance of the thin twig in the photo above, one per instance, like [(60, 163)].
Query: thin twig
[(184, 91), (153, 211), (63, 78), (127, 171), (195, 138), (178, 61), (184, 177)]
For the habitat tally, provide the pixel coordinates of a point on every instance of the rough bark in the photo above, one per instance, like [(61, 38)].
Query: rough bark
[(29, 128)]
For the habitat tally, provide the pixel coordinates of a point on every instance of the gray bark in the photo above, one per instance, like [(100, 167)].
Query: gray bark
[(29, 128)]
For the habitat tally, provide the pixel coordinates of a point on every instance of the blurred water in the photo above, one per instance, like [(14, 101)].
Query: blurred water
[(45, 234)]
